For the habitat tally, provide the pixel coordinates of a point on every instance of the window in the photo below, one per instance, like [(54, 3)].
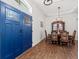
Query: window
[(22, 4), (12, 15), (60, 27), (27, 20), (54, 26)]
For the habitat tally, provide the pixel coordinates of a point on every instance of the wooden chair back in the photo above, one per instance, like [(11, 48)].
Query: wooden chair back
[(54, 35), (64, 36), (74, 33), (48, 37)]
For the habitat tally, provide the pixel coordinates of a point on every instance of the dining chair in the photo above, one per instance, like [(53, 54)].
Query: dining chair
[(54, 37), (48, 38), (72, 37), (64, 38)]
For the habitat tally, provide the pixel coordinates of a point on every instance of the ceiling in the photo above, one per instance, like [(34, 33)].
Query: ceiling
[(67, 6)]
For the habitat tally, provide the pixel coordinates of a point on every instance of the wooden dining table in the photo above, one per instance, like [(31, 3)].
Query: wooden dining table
[(59, 37)]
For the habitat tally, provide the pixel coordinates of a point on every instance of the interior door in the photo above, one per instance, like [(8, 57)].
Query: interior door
[(9, 41), (13, 36), (2, 31), (18, 38), (27, 33)]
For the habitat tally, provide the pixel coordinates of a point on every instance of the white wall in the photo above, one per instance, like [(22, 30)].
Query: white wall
[(38, 32), (71, 22), (17, 6)]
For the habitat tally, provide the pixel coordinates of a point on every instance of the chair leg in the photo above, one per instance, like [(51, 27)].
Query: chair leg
[(57, 42), (68, 44), (50, 42), (73, 42), (53, 42), (60, 43)]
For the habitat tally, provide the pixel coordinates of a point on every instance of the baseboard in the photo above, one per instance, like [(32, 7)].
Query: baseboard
[(37, 42)]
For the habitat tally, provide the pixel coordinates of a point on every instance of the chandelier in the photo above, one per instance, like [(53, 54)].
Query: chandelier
[(58, 12), (59, 18)]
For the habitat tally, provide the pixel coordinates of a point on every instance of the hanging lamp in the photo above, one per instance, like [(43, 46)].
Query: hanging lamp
[(59, 16)]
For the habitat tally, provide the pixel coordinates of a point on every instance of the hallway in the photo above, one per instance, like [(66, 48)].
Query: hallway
[(24, 24), (48, 51)]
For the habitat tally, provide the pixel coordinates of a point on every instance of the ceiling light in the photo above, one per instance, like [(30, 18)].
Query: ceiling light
[(49, 2)]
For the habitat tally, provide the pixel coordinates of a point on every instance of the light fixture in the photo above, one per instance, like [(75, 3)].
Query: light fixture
[(58, 14), (59, 18), (48, 2)]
